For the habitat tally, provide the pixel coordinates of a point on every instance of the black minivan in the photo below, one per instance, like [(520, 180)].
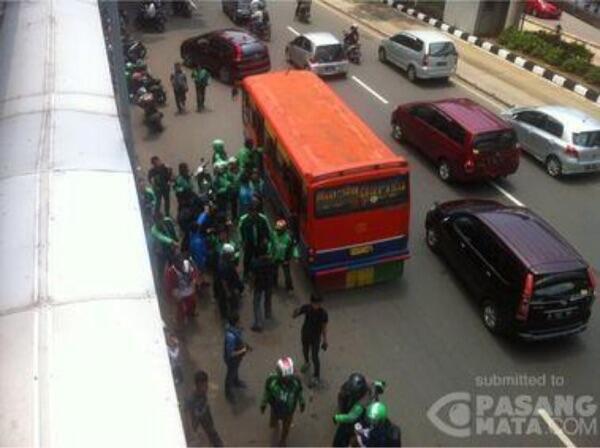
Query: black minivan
[(530, 281)]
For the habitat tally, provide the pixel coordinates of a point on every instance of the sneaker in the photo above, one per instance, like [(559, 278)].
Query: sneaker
[(305, 367)]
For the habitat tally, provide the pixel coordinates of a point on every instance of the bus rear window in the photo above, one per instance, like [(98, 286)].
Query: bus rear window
[(361, 196)]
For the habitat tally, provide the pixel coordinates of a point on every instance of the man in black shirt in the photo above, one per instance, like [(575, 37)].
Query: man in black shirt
[(314, 330), (159, 177)]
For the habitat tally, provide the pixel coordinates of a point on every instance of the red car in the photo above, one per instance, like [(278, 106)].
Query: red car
[(465, 140), (543, 9), (228, 54)]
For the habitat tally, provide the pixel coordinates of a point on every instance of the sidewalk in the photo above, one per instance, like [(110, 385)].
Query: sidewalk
[(505, 81)]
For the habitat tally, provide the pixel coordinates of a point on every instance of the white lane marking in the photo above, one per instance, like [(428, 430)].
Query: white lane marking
[(293, 31), (555, 429), (370, 90), (193, 5), (509, 196)]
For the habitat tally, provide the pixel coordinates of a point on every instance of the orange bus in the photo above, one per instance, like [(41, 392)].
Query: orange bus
[(342, 189)]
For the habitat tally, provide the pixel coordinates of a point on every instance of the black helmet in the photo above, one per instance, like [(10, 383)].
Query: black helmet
[(358, 384)]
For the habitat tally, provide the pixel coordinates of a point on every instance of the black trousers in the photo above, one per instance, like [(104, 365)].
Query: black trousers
[(200, 96), (287, 275), (163, 195), (180, 99), (311, 344), (207, 423)]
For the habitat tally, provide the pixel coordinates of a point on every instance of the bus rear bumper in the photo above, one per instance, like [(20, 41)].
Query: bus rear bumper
[(355, 276)]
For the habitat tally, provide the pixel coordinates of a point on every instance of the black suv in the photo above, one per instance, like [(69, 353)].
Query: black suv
[(531, 282)]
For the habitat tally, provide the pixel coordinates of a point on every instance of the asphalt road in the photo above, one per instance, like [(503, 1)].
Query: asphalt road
[(422, 333)]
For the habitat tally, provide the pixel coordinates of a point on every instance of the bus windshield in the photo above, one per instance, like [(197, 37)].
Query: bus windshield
[(362, 196)]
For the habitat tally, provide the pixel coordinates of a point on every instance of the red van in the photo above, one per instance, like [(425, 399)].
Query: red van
[(465, 140)]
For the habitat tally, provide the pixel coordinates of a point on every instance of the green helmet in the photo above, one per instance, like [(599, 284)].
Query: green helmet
[(377, 412)]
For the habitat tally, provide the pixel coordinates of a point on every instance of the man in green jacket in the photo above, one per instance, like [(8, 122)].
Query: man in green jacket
[(221, 187), (255, 231), (165, 241), (283, 393), (283, 249), (200, 76), (219, 153), (250, 157)]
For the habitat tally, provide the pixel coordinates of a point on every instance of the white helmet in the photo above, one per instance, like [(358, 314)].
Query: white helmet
[(285, 366), (228, 249), (187, 266)]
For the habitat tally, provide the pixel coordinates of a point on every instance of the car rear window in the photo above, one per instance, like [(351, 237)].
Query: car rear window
[(252, 49), (561, 286), (495, 141), (441, 49), (587, 139), (329, 53)]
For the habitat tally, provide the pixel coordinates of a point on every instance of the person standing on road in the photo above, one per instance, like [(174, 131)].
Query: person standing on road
[(283, 393), (199, 410), (262, 272), (245, 194), (181, 282), (219, 153), (313, 335), (165, 243), (229, 286), (200, 76), (233, 174), (159, 177), (254, 230), (183, 182), (283, 251), (180, 87), (147, 200), (221, 187), (234, 351)]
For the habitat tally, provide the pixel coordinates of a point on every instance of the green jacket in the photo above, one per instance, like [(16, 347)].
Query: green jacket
[(164, 232), (200, 76), (234, 183), (352, 416), (149, 198), (283, 396), (221, 184), (219, 154), (282, 248), (182, 184), (252, 231), (249, 159)]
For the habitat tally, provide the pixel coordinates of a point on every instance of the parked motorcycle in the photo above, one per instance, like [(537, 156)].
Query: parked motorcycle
[(141, 79), (181, 8), (262, 30), (152, 17), (303, 13), (152, 116), (134, 50)]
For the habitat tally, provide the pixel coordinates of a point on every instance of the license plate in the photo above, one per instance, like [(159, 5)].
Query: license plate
[(360, 277), (361, 250), (556, 315)]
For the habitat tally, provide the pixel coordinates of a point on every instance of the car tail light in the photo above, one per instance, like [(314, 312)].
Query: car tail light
[(425, 62), (238, 53), (592, 278), (469, 166), (523, 309), (571, 151), (311, 255)]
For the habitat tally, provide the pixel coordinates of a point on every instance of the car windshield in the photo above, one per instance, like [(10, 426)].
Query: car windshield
[(441, 49), (587, 139), (252, 49), (495, 141), (329, 53)]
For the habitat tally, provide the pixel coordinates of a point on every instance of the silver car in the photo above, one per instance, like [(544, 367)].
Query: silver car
[(566, 140), (322, 53), (423, 54)]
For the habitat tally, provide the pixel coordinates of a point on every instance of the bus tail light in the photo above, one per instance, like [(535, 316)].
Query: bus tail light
[(571, 151), (523, 309)]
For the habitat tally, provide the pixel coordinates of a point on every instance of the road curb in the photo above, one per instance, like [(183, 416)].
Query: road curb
[(543, 72)]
